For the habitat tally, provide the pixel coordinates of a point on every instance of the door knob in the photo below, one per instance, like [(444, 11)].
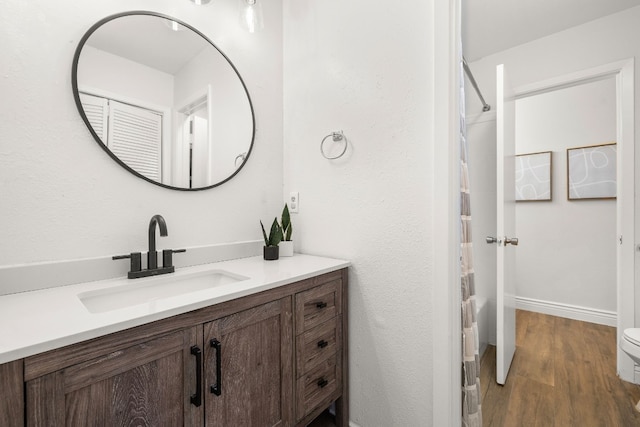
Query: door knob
[(506, 241), (511, 241)]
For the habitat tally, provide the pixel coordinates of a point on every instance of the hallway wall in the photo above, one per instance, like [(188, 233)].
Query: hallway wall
[(567, 250)]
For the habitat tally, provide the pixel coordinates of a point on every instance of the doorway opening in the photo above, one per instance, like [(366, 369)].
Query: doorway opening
[(621, 73)]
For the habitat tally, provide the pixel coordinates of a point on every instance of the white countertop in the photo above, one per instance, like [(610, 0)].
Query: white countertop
[(38, 321)]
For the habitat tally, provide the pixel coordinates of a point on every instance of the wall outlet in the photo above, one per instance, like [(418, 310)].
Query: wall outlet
[(294, 202)]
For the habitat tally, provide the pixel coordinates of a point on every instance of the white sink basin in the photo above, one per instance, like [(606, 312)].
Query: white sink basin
[(153, 289)]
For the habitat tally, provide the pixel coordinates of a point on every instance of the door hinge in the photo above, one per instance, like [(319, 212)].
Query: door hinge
[(620, 239)]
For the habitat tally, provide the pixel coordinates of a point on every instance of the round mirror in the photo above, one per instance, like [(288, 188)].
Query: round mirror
[(163, 100)]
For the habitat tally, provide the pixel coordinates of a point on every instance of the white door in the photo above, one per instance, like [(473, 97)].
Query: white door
[(506, 227), (200, 164)]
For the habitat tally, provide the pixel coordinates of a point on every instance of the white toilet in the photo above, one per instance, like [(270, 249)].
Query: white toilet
[(630, 343)]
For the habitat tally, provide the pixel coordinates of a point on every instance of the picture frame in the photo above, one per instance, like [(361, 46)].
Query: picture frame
[(533, 177), (591, 172)]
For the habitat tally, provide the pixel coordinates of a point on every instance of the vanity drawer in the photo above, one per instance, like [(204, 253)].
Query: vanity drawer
[(317, 305), (318, 386), (318, 344)]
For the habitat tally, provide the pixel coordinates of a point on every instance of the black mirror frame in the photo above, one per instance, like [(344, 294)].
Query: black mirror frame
[(76, 96)]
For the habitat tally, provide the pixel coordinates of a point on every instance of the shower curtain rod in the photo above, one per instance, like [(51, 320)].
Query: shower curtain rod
[(467, 70)]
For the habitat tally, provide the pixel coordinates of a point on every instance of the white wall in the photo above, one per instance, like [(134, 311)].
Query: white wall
[(62, 196), (599, 42), (101, 70), (231, 127), (567, 250), (365, 68), (481, 138)]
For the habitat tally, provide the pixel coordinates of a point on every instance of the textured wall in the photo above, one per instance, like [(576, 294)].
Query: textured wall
[(364, 67), (62, 196)]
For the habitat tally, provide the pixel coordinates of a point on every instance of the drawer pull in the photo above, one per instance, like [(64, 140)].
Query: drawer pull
[(196, 399), (322, 383), (322, 343), (321, 304), (217, 387)]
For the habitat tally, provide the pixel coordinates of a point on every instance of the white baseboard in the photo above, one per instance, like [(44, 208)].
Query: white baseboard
[(585, 314)]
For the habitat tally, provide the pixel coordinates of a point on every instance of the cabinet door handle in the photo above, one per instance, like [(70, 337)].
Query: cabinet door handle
[(196, 399), (322, 343), (217, 387), (322, 383), (321, 304)]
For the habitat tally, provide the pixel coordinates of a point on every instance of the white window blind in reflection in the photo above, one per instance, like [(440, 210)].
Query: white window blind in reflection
[(135, 136), (97, 110)]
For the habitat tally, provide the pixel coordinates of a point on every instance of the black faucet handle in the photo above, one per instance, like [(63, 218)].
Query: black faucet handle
[(167, 256), (136, 260)]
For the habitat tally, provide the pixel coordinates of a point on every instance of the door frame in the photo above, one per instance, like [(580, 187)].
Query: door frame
[(445, 215), (623, 72)]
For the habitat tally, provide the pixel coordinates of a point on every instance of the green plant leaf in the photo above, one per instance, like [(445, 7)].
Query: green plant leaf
[(286, 223), (264, 234), (275, 234), (286, 218), (287, 237)]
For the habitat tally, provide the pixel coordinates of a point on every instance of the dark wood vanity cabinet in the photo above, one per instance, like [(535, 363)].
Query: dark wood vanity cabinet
[(276, 358)]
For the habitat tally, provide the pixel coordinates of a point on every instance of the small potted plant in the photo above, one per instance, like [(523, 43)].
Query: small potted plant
[(286, 245), (270, 250)]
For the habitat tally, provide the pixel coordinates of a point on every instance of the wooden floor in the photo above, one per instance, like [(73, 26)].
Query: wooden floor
[(563, 374)]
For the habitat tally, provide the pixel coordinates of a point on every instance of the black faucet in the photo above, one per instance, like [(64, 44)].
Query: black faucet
[(152, 256)]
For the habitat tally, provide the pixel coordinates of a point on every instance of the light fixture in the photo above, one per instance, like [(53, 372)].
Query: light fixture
[(251, 15), (201, 2)]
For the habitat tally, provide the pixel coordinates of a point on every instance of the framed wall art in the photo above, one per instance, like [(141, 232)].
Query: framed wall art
[(591, 172), (533, 177)]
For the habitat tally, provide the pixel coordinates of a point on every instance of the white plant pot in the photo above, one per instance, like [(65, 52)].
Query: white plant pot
[(286, 248)]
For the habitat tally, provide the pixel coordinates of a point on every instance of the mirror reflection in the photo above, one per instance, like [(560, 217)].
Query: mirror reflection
[(163, 101)]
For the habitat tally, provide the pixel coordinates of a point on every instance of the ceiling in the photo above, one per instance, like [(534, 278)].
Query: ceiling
[(490, 26), (149, 40)]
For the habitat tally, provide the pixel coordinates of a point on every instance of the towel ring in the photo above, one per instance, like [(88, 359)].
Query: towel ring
[(336, 136)]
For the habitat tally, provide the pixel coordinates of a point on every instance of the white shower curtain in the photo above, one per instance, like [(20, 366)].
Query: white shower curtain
[(471, 407)]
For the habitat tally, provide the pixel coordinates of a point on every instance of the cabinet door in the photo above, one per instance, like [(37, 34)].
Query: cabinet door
[(12, 394), (148, 384), (248, 367)]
